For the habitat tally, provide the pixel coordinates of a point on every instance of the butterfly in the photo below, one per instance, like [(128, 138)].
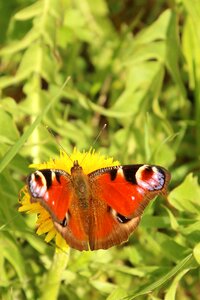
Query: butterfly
[(100, 209)]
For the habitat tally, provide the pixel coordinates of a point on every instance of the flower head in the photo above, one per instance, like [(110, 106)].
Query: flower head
[(89, 161)]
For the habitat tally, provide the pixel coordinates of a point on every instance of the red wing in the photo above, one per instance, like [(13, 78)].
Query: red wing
[(52, 188), (128, 189)]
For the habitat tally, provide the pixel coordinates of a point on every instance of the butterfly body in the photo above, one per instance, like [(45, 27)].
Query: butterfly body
[(100, 209)]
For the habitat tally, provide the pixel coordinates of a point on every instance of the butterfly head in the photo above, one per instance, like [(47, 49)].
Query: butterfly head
[(76, 169)]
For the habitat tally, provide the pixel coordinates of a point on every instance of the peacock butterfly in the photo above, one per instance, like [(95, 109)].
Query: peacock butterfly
[(100, 209)]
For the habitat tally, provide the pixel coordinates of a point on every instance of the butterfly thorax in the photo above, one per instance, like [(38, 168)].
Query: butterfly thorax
[(81, 185)]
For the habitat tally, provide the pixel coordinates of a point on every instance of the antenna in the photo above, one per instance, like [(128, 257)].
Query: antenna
[(98, 135), (96, 139), (61, 147)]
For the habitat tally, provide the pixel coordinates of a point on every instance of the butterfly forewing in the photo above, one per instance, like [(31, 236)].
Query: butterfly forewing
[(128, 189), (52, 188)]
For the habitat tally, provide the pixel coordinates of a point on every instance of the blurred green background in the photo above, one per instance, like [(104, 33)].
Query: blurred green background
[(134, 65)]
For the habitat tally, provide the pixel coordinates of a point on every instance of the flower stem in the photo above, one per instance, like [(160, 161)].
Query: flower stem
[(54, 277)]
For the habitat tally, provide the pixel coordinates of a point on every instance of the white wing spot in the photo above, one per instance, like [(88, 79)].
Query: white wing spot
[(120, 172), (46, 196), (53, 175)]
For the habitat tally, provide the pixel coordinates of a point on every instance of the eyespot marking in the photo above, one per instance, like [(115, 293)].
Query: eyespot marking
[(150, 177), (37, 185)]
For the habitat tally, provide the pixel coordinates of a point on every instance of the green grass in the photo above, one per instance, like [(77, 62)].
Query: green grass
[(135, 66)]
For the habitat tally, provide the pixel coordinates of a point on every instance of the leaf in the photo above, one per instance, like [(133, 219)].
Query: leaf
[(191, 41), (103, 287), (165, 28), (15, 148), (155, 221), (186, 263), (8, 104), (8, 129), (196, 252), (172, 57), (29, 12), (12, 253), (171, 293), (170, 248), (158, 30), (28, 40), (118, 294), (187, 230), (173, 220), (133, 96), (43, 65), (186, 196)]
